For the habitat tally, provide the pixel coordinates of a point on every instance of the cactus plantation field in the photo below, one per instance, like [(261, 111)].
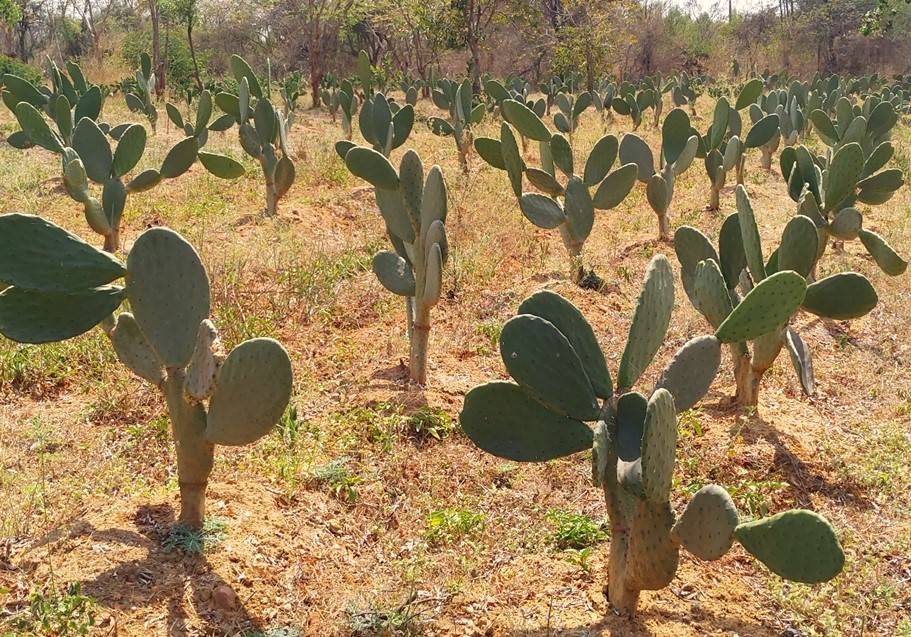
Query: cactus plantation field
[(389, 427)]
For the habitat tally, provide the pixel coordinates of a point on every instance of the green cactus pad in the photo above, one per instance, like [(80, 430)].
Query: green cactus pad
[(569, 320), (489, 150), (749, 94), (600, 160), (512, 158), (169, 293), (145, 180), (411, 184), (712, 298), (886, 258), (394, 273), (801, 359), (749, 233), (691, 247), (842, 296), (733, 259), (544, 181), (179, 158), (434, 204), (615, 187), (579, 210), (659, 442), (129, 151), (372, 167), (675, 133), (844, 172), (878, 158), (562, 154), (33, 316), (650, 321), (706, 528), (252, 389), (503, 420), (93, 148), (658, 194), (342, 147), (524, 119), (284, 176), (633, 149), (691, 371), (765, 308), (39, 255), (542, 360), (880, 188), (37, 130), (847, 224), (221, 166), (203, 367), (541, 210), (824, 127), (798, 545), (762, 132), (630, 423), (799, 246), (134, 351), (652, 557)]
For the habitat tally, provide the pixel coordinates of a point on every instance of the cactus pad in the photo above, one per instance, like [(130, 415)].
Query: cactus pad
[(706, 528), (541, 359), (845, 170), (765, 308), (34, 316), (394, 273), (541, 210), (252, 389), (799, 246), (749, 233), (615, 187), (503, 420), (659, 446), (691, 247), (134, 350), (650, 321), (169, 293), (841, 296), (691, 371), (886, 258), (712, 297), (798, 545), (801, 360), (652, 557), (372, 167)]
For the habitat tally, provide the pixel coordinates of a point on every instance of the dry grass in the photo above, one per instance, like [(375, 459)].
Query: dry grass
[(428, 536)]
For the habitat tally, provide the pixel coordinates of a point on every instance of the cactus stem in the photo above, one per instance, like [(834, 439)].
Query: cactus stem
[(409, 316), (715, 199), (112, 241), (748, 381), (419, 339), (664, 227), (195, 454)]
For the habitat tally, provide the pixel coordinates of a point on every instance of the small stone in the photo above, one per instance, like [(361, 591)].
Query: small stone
[(224, 597)]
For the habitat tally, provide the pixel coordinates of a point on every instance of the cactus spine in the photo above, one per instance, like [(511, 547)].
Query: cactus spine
[(61, 287)]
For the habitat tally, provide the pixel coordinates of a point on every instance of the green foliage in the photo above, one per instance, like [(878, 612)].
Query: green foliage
[(17, 67), (59, 614), (174, 50), (445, 526), (195, 541), (574, 530)]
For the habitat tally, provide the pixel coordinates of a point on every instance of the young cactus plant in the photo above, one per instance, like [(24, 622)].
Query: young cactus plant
[(459, 100), (571, 109), (678, 149), (90, 158), (61, 287), (829, 189), (757, 326), (140, 96), (262, 130), (414, 209), (201, 122), (562, 384), (570, 206)]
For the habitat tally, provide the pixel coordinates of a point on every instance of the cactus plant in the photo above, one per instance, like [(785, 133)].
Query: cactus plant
[(562, 383), (201, 122), (571, 108), (383, 123), (61, 287), (678, 149), (139, 95), (464, 113), (414, 209), (90, 158), (828, 190), (262, 130), (569, 207), (756, 327)]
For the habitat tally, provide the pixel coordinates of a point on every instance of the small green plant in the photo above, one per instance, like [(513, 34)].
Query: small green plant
[(139, 95), (400, 620), (429, 422), (195, 541), (59, 614), (580, 558), (445, 526), (336, 476), (464, 112), (574, 530)]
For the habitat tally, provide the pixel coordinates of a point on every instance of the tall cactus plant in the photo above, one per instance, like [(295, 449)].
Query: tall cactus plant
[(61, 287), (459, 101), (562, 383), (262, 129), (570, 206), (678, 149), (414, 209), (757, 326)]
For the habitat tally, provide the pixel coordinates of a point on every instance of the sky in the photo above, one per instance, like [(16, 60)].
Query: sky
[(720, 7)]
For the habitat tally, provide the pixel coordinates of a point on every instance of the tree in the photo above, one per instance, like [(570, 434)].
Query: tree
[(186, 11), (419, 30)]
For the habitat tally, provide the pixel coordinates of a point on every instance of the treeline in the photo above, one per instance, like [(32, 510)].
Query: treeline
[(192, 40)]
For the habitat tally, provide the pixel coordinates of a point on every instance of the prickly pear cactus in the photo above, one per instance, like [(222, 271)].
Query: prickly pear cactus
[(465, 111), (139, 95), (755, 326), (262, 129), (570, 205), (679, 147), (61, 287), (414, 209), (562, 386)]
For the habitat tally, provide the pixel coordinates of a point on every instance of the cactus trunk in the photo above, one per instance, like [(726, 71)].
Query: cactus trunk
[(195, 454), (622, 598), (748, 380), (112, 241), (664, 226), (271, 196), (420, 337), (715, 199)]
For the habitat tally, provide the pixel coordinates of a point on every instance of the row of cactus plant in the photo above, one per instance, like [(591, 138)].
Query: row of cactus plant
[(562, 383), (61, 287)]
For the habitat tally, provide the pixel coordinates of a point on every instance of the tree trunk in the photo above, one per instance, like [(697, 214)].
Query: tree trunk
[(193, 54), (157, 66)]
